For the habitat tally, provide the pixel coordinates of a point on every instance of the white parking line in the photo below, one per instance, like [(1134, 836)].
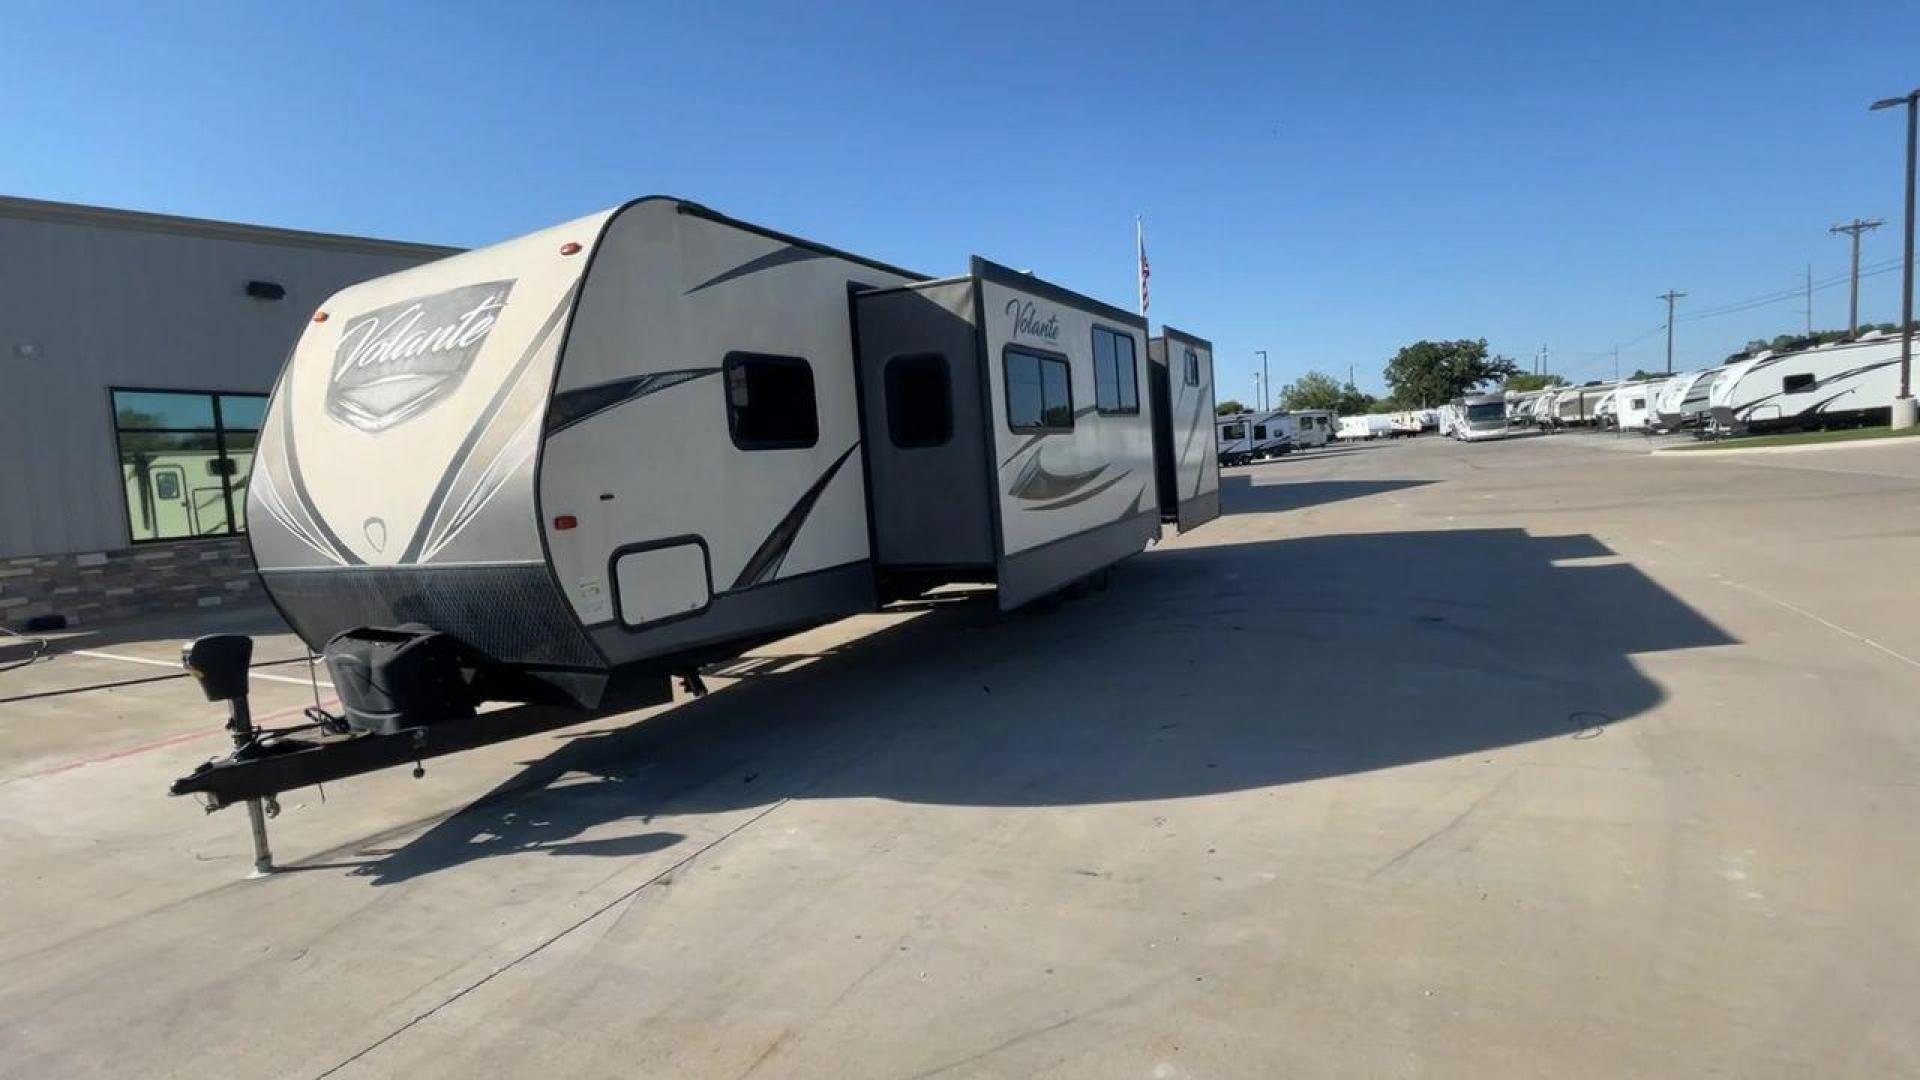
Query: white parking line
[(162, 663)]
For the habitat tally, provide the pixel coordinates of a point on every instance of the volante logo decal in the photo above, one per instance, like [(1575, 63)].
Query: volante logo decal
[(1028, 323), (396, 362)]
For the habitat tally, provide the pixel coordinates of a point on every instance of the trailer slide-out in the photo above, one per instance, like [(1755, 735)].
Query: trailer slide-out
[(558, 471)]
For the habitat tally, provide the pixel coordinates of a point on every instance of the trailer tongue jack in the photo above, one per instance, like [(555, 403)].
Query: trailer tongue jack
[(219, 663), (268, 761)]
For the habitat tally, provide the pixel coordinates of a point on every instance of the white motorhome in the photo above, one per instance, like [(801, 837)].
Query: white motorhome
[(1479, 417), (1843, 384), (593, 455)]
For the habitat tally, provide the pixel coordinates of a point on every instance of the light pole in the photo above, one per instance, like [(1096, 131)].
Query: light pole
[(1904, 413), (1262, 353), (1259, 390)]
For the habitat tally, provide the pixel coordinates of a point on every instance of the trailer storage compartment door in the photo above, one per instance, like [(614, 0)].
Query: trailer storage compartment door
[(1185, 459)]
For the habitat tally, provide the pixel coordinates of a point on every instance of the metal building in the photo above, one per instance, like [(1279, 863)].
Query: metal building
[(136, 351)]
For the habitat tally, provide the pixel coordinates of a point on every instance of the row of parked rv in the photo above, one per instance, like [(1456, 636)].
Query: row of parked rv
[(1840, 384), (1244, 437)]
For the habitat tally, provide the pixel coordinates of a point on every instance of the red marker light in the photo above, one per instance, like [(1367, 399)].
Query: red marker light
[(319, 316), (565, 521), (569, 248)]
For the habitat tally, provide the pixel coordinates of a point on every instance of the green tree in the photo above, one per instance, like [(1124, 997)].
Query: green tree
[(1354, 402), (1227, 407), (1314, 390), (1433, 372), (1523, 383)]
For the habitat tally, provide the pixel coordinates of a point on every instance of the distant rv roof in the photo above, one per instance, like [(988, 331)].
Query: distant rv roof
[(106, 217)]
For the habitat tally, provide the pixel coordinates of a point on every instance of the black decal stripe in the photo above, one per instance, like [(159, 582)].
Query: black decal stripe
[(570, 407), (766, 559), (300, 484), (1083, 496), (769, 261), (1822, 383), (500, 396)]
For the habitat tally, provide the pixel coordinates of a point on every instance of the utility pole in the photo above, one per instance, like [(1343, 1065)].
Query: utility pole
[(1263, 379), (1853, 229), (1616, 363), (1669, 296), (1809, 299)]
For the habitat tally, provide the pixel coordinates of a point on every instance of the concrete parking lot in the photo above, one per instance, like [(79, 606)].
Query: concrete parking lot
[(1549, 757)]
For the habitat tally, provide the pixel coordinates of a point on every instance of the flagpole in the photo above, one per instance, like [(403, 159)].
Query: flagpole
[(1140, 259)]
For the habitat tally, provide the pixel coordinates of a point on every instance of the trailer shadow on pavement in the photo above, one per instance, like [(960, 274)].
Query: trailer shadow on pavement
[(1204, 669), (1240, 495)]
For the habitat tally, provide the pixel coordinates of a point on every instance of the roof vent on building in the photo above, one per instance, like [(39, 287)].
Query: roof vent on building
[(266, 290)]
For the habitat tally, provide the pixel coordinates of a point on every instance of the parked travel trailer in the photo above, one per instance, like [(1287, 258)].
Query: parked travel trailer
[(1479, 417), (562, 470), (1521, 406), (1311, 427), (1370, 426), (1233, 438), (1632, 405), (1180, 377), (1682, 401), (1270, 435), (1845, 384)]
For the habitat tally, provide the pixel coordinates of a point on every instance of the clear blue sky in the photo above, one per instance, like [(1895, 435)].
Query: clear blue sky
[(1327, 183)]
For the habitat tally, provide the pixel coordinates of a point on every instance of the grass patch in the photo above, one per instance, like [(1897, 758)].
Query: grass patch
[(1802, 438)]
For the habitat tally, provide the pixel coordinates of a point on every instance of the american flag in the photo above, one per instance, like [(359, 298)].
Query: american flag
[(1140, 244)]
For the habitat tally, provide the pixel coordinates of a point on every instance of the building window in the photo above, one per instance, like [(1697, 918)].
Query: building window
[(1794, 384), (185, 459), (770, 404), (1193, 368), (1039, 391), (919, 401), (1115, 385)]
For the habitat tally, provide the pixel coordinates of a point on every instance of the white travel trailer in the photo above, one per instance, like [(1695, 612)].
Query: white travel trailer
[(1310, 427), (1270, 435), (1844, 384), (582, 460), (1633, 405), (1233, 438), (1180, 376), (1370, 426), (1682, 401)]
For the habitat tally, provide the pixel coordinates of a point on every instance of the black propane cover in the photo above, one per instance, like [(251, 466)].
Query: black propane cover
[(392, 678)]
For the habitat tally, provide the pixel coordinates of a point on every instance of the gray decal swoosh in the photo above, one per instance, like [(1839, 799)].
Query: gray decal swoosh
[(1032, 439), (781, 257), (300, 484), (1036, 484), (766, 559), (1083, 496), (459, 458), (571, 407)]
